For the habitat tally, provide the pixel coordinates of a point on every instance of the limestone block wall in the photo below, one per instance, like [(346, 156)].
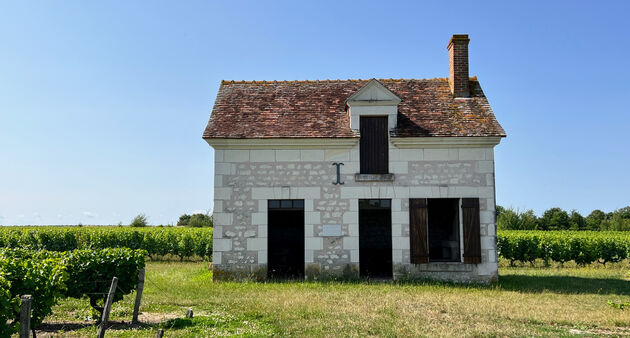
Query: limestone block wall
[(246, 178)]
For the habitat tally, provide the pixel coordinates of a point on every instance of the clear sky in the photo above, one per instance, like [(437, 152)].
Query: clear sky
[(102, 104)]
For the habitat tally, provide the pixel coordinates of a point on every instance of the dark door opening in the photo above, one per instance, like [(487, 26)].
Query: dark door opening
[(285, 239), (443, 225), (375, 238)]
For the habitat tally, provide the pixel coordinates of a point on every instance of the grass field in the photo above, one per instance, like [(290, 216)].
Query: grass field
[(526, 301)]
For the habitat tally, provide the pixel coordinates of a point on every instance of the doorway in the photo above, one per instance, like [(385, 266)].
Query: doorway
[(375, 238), (285, 239)]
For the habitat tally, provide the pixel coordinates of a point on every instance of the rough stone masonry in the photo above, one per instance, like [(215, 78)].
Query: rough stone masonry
[(246, 178)]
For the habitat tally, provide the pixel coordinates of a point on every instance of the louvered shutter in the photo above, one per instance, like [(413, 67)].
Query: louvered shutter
[(472, 240), (418, 230)]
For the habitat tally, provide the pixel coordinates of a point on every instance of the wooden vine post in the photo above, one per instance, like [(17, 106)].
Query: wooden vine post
[(108, 308), (136, 306), (25, 316)]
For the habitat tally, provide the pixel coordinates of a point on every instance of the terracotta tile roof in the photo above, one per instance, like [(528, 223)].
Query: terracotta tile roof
[(304, 109)]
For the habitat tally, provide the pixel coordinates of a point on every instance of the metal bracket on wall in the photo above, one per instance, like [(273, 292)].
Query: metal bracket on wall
[(338, 164)]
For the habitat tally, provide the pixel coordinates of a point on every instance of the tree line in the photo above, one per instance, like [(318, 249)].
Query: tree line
[(559, 219)]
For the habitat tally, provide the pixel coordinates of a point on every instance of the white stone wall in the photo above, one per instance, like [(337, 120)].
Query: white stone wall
[(246, 178)]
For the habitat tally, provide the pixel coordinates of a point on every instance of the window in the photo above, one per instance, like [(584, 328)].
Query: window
[(374, 145), (285, 204), (443, 226), (435, 230)]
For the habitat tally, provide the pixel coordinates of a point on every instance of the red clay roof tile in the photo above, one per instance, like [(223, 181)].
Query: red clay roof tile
[(305, 109)]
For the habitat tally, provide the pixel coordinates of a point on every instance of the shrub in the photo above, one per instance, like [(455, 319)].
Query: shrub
[(139, 221), (9, 305), (611, 250), (43, 278), (90, 273), (49, 275)]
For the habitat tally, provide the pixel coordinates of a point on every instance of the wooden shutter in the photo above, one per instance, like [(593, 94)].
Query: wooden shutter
[(418, 230), (374, 146), (472, 240)]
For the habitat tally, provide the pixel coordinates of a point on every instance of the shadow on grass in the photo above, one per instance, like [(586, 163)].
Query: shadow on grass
[(56, 327), (223, 323), (519, 283), (69, 326), (564, 284)]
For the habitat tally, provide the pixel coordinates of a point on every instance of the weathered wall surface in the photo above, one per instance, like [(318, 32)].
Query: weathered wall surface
[(245, 179)]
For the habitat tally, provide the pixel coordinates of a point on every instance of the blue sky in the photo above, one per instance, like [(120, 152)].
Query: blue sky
[(102, 104)]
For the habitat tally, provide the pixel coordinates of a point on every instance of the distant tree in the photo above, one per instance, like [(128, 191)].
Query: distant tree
[(576, 221), (595, 219), (499, 210), (508, 220), (554, 219), (623, 212), (139, 221), (529, 220), (183, 220), (195, 220), (200, 221), (616, 223), (558, 219), (511, 219)]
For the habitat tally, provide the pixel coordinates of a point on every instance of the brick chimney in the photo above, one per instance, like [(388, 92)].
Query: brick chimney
[(458, 65)]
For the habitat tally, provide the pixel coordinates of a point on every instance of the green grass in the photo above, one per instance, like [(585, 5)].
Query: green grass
[(526, 301)]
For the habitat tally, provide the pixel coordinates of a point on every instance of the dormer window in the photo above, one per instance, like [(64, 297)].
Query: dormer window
[(373, 111), (374, 145)]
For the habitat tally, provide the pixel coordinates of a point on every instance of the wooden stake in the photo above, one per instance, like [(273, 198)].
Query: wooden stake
[(136, 306), (160, 333), (108, 308), (25, 316), (189, 313)]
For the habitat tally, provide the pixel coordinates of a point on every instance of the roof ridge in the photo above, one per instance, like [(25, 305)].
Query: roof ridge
[(325, 80)]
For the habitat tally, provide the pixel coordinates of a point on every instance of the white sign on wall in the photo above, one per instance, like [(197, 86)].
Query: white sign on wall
[(331, 230)]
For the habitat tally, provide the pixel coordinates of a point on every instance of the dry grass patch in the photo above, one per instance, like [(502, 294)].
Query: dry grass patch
[(526, 301)]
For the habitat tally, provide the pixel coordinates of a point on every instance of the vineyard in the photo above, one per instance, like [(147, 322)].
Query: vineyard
[(582, 247), (50, 276), (158, 242), (68, 270)]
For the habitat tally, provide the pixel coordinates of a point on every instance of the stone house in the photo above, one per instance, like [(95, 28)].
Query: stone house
[(356, 178)]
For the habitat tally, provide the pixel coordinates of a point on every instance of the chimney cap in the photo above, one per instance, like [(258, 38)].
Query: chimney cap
[(457, 37)]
